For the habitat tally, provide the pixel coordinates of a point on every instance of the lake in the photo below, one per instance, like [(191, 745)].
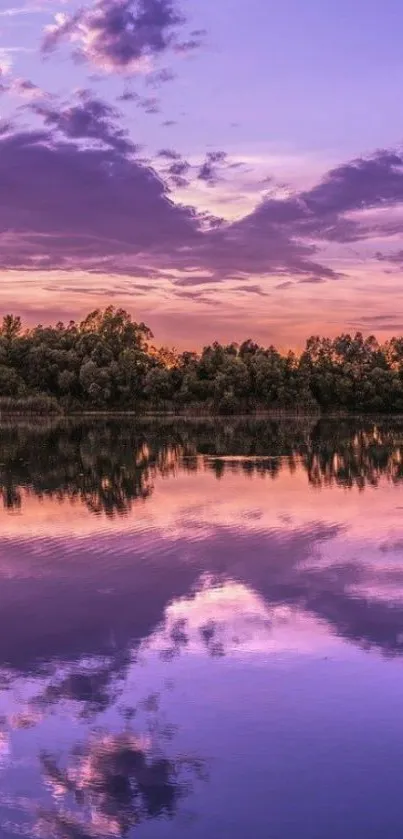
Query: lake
[(201, 629)]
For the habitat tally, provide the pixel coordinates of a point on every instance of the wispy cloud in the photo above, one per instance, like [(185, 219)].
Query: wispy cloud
[(16, 11)]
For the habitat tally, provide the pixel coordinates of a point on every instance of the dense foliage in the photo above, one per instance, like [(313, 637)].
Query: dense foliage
[(107, 363)]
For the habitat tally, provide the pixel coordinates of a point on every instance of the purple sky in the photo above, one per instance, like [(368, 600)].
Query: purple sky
[(221, 169)]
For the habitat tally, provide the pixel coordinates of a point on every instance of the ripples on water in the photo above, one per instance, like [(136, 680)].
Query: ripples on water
[(201, 629)]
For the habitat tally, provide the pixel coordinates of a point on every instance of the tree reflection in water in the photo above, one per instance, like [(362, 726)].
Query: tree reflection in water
[(117, 779), (108, 465)]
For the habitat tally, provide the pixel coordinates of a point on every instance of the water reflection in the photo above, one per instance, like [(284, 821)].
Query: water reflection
[(120, 780), (141, 565), (109, 465), (116, 776)]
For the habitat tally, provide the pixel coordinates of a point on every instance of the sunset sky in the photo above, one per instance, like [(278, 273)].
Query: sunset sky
[(222, 169)]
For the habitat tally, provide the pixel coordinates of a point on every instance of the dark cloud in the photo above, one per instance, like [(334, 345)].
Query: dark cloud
[(313, 280), (160, 77), (91, 118), (286, 284), (252, 243), (97, 291), (253, 289), (322, 212), (6, 127), (360, 184), (389, 322), (377, 318), (195, 281), (118, 35), (395, 257), (129, 96), (395, 326), (209, 170), (195, 40), (216, 166), (168, 123), (194, 295), (217, 156), (73, 196), (391, 546), (169, 154), (142, 287), (64, 206), (149, 104), (198, 33), (177, 172), (188, 46)]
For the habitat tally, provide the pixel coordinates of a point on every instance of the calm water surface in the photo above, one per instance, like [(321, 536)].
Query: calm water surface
[(201, 630)]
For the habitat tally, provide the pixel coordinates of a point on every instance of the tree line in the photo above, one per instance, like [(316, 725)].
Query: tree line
[(107, 362)]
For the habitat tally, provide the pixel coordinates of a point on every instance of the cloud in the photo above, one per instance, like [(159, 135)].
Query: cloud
[(286, 284), (15, 11), (120, 35), (195, 40), (378, 318), (209, 171), (359, 184), (25, 89), (169, 154), (195, 295), (160, 77), (177, 172), (254, 245), (129, 96), (63, 206), (149, 104), (253, 289), (333, 209), (396, 257), (313, 280), (180, 173), (203, 279), (73, 196), (91, 118), (102, 291), (395, 327), (20, 87)]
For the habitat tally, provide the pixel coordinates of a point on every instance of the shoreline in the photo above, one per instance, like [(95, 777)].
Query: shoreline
[(199, 417)]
